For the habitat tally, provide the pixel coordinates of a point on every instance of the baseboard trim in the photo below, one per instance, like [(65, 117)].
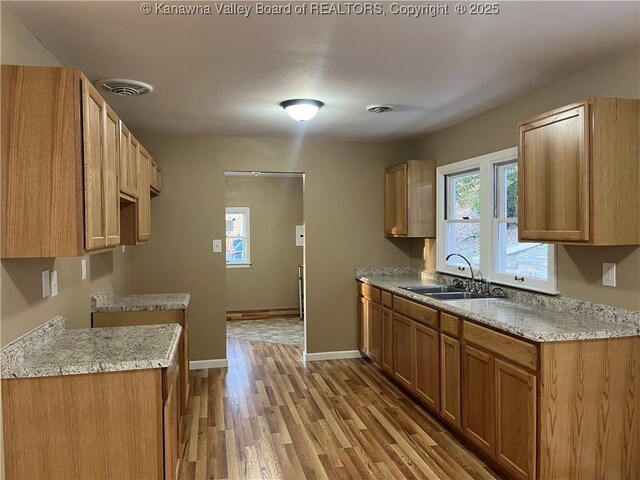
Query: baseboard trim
[(312, 357), (263, 314), (215, 363)]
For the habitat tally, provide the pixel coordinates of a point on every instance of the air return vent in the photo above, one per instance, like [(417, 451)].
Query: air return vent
[(380, 108), (124, 87)]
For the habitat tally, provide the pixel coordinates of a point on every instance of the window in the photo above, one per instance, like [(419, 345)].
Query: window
[(478, 218), (238, 241)]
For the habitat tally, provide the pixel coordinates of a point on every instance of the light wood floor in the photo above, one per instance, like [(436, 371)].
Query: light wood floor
[(269, 416)]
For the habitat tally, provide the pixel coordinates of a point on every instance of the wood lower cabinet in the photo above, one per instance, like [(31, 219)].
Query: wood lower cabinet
[(363, 325), (578, 174), (403, 348), (370, 323), (450, 380), (515, 398), (410, 199), (387, 340), (171, 427), (478, 418), (426, 354), (374, 348)]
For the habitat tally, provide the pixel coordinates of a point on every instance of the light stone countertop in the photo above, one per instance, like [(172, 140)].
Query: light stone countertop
[(108, 301), (52, 350), (535, 322)]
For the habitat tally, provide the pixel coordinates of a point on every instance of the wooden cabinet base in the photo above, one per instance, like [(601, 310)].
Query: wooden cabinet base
[(102, 425)]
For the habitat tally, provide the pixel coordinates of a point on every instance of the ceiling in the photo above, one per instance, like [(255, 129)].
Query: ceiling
[(226, 75)]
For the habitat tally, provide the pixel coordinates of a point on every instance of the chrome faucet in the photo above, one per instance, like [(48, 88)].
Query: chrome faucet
[(472, 285)]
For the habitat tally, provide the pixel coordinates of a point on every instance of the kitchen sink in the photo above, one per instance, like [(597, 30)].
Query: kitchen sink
[(458, 295), (427, 289)]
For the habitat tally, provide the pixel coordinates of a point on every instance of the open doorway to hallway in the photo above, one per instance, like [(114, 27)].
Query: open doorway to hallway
[(265, 257)]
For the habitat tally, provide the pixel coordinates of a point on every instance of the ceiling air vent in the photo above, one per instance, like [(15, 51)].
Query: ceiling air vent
[(124, 87), (380, 108)]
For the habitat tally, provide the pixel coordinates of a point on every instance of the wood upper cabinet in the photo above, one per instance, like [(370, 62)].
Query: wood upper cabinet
[(387, 340), (515, 419), (144, 196), (578, 174), (155, 177), (128, 163), (450, 380), (410, 199), (403, 348), (426, 384), (111, 176), (93, 126), (478, 398)]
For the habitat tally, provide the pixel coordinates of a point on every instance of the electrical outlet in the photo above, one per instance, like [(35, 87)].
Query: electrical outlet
[(123, 248), (46, 285), (217, 246), (83, 262), (54, 283), (609, 274)]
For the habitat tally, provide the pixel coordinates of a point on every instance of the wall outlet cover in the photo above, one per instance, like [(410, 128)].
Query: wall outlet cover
[(83, 263), (46, 284), (609, 274), (54, 283)]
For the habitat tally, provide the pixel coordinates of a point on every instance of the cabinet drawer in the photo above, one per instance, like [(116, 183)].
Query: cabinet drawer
[(421, 313), (369, 292), (518, 351), (386, 299), (449, 324)]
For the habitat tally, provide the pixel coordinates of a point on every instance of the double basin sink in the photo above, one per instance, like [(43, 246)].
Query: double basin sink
[(445, 292)]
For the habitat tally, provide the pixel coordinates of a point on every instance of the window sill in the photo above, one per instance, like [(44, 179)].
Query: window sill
[(238, 265), (503, 284)]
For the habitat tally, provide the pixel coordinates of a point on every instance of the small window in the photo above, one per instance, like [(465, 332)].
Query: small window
[(238, 241), (463, 217)]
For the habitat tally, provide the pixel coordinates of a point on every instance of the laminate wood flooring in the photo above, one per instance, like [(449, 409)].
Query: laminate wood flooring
[(270, 416)]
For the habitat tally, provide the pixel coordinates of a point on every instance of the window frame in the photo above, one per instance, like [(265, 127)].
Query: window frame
[(246, 212), (486, 164)]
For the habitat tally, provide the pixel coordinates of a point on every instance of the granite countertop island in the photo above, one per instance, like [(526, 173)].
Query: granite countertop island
[(52, 350), (108, 301), (536, 317)]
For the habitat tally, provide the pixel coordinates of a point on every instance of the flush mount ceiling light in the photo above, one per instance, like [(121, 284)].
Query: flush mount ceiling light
[(302, 109), (124, 87)]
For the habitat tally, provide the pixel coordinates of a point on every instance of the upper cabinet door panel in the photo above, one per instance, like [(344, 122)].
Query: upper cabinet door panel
[(111, 173), (396, 201), (144, 196), (93, 116), (554, 176)]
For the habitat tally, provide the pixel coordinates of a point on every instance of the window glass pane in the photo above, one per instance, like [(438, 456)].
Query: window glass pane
[(235, 224), (464, 238), (522, 259), (507, 190), (236, 250), (464, 196)]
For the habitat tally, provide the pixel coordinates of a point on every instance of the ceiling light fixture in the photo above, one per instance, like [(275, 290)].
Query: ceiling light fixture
[(302, 109)]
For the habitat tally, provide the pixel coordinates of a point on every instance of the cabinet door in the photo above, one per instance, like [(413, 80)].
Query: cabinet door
[(111, 175), (128, 165), (515, 419), (403, 350), (375, 333), (553, 176), (426, 367), (93, 128), (144, 196), (395, 200), (478, 395), (362, 325), (387, 340), (450, 379), (171, 430)]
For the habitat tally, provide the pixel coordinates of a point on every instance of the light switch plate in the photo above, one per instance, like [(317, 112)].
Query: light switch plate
[(83, 262), (217, 246), (299, 235), (609, 274), (54, 283), (46, 285)]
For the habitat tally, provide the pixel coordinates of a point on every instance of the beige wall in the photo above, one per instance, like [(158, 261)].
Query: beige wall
[(579, 267), (22, 307), (276, 208), (343, 209)]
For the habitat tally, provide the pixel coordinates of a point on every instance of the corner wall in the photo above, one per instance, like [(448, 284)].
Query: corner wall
[(579, 267)]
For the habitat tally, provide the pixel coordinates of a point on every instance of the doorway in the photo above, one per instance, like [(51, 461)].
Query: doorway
[(264, 224)]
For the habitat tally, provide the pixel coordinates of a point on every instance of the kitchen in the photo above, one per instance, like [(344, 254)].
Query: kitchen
[(343, 154)]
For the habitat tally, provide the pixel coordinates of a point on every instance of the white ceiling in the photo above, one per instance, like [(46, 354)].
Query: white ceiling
[(226, 75)]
